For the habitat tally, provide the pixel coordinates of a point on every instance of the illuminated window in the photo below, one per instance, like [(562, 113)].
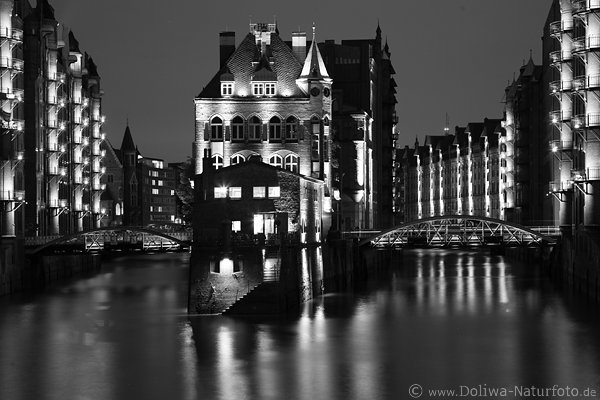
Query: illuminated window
[(217, 161), (291, 129), (276, 160), (270, 89), (258, 89), (237, 129), (235, 192), (226, 88), (292, 163), (220, 192), (258, 192), (216, 129), (254, 128), (237, 159), (274, 191), (236, 226), (316, 130), (275, 129), (154, 191)]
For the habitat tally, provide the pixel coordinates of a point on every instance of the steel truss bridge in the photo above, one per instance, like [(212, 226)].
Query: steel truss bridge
[(462, 231), (111, 239)]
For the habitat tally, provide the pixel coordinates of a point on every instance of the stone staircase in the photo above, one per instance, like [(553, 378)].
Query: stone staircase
[(262, 300)]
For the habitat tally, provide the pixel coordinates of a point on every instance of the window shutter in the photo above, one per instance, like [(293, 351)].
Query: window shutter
[(228, 133), (206, 131), (246, 130), (265, 132), (301, 131)]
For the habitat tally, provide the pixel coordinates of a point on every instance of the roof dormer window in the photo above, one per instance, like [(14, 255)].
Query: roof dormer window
[(260, 89), (226, 89)]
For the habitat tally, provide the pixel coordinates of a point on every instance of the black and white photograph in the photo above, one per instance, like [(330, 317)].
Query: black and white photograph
[(317, 200)]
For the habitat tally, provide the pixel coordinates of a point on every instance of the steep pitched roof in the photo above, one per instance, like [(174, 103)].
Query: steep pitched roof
[(314, 67), (247, 64), (127, 143)]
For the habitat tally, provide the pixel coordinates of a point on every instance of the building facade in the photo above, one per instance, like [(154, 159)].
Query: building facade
[(572, 43)]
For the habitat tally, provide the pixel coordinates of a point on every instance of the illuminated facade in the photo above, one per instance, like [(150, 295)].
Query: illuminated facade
[(451, 174), (572, 44), (63, 129), (268, 100)]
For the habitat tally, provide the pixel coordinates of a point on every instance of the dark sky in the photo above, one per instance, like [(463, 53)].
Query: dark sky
[(450, 56)]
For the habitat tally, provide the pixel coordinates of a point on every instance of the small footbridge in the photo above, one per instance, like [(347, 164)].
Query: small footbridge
[(111, 239), (462, 231)]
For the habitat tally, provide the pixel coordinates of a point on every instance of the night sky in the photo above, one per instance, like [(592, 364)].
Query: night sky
[(450, 56)]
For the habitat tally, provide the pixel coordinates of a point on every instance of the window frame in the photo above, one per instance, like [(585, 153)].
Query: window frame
[(255, 126), (227, 89), (279, 163), (259, 192), (237, 129), (275, 129), (292, 160), (216, 129)]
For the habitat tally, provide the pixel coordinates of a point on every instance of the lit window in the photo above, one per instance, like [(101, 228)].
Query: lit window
[(236, 226), (172, 193), (226, 88), (216, 129), (220, 192), (160, 183), (237, 159), (276, 160), (237, 129), (291, 129), (235, 192), (270, 89), (154, 191), (274, 191), (258, 192), (292, 163), (258, 89), (254, 128), (217, 161), (275, 129)]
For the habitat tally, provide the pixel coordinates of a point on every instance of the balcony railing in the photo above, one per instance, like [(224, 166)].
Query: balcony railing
[(585, 121), (560, 145), (580, 6), (559, 86), (12, 63), (593, 173), (58, 203), (11, 33), (557, 27), (563, 186), (584, 43), (12, 195), (559, 56), (559, 116), (14, 124)]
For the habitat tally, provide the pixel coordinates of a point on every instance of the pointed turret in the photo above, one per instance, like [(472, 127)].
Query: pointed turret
[(314, 67), (127, 143)]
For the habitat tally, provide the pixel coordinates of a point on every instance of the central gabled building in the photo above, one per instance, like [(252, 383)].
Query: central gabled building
[(268, 100)]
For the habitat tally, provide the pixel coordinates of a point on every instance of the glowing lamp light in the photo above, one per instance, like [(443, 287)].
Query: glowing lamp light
[(554, 149), (577, 125), (554, 120)]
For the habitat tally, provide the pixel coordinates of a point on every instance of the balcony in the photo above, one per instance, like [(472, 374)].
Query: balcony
[(593, 173), (58, 203), (560, 86), (15, 124), (559, 56), (583, 6), (559, 116), (12, 195), (585, 121), (584, 43), (11, 33), (560, 145), (98, 186), (560, 187), (557, 27), (57, 76)]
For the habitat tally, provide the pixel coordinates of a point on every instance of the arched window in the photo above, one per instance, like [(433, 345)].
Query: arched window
[(291, 129), (276, 160), (216, 129), (118, 209), (292, 163), (275, 129), (254, 128), (217, 161), (237, 159), (237, 129)]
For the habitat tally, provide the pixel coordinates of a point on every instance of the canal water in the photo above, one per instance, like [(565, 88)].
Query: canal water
[(453, 320)]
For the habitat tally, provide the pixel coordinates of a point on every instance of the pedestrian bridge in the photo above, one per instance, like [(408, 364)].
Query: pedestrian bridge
[(462, 231), (111, 239)]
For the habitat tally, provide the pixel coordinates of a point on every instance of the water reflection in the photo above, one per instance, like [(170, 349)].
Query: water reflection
[(440, 319)]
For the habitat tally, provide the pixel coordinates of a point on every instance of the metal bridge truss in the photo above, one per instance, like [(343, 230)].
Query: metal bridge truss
[(459, 230), (116, 239)]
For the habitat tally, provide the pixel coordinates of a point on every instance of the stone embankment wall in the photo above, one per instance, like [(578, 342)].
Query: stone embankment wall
[(575, 263), (37, 272)]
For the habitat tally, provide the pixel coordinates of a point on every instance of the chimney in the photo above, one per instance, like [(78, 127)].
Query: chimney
[(226, 46), (299, 45)]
